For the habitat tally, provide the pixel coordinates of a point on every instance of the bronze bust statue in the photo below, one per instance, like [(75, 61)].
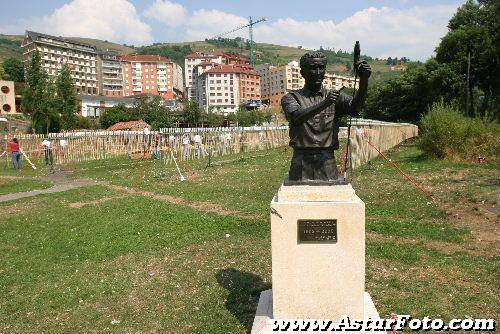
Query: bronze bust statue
[(313, 114)]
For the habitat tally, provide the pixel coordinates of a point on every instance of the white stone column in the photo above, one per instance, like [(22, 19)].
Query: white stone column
[(318, 256), (318, 279)]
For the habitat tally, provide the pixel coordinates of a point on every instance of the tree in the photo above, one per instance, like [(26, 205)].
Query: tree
[(407, 97), (191, 113), (473, 31), (67, 104), (115, 114), (38, 98), (212, 118), (154, 112), (3, 76), (14, 69)]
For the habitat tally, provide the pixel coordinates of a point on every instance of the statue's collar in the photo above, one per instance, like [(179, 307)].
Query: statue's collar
[(307, 92)]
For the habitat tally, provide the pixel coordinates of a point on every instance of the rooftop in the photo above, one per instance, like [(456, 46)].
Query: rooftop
[(130, 125), (232, 69), (196, 55), (146, 58), (38, 37)]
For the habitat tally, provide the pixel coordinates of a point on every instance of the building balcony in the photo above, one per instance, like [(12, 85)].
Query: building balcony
[(108, 71)]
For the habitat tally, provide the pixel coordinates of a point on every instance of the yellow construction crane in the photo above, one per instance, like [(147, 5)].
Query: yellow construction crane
[(250, 30)]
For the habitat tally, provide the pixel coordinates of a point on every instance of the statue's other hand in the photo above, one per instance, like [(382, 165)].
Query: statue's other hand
[(364, 70), (332, 96)]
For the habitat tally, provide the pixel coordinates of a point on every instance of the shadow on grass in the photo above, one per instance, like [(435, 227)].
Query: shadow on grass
[(244, 291), (418, 158)]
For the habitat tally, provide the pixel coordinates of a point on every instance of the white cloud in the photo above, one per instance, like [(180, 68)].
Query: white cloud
[(384, 32), (413, 32), (113, 20), (169, 13), (208, 23)]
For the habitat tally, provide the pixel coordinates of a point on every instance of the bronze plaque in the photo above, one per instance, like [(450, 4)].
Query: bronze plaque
[(320, 230)]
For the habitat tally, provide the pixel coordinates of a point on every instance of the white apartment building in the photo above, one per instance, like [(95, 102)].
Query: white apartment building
[(225, 87), (220, 89), (110, 74), (190, 62), (56, 51), (198, 83), (335, 81)]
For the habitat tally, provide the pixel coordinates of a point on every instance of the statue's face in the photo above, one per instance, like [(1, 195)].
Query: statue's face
[(314, 72)]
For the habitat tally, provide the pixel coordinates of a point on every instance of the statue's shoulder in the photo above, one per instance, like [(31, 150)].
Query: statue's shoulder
[(291, 95)]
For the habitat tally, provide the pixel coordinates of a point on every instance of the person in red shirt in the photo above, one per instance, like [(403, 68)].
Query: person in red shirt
[(16, 153)]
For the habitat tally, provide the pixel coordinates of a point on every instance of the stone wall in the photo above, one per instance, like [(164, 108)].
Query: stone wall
[(367, 136)]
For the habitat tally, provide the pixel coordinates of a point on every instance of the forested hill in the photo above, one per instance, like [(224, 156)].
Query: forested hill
[(339, 61)]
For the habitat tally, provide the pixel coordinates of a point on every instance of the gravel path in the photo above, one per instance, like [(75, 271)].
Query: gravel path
[(61, 183)]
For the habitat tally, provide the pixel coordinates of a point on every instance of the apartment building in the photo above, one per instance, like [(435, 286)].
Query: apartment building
[(56, 51), (279, 80), (335, 81), (190, 62), (151, 74), (276, 81), (198, 83), (194, 59), (225, 87), (110, 74), (250, 89)]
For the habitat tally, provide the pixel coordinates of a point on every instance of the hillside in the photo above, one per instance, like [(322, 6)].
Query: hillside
[(10, 46), (339, 61), (104, 45)]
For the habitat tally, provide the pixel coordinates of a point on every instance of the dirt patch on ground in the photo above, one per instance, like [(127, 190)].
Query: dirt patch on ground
[(202, 206), (78, 205), (478, 213), (193, 176), (483, 223), (224, 170)]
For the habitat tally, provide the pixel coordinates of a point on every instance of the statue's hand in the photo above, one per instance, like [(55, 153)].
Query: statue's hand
[(332, 97), (364, 70)]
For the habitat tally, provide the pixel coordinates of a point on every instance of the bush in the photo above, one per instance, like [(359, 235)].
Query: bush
[(448, 134)]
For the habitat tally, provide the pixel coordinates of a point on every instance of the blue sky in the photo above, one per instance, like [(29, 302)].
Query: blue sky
[(385, 28)]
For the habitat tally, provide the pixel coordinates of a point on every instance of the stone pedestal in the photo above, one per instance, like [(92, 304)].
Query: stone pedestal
[(318, 256)]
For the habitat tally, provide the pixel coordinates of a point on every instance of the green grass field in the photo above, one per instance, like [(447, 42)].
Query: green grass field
[(192, 257), (11, 185)]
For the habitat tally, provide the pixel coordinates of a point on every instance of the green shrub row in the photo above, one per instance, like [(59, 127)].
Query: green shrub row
[(447, 133)]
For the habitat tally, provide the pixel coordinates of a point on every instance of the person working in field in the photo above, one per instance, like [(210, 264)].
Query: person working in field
[(47, 152), (15, 152)]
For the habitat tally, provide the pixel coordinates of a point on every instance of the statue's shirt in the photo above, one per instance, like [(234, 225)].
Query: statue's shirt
[(320, 130)]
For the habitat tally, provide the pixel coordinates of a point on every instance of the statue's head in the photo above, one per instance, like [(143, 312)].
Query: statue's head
[(313, 68)]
